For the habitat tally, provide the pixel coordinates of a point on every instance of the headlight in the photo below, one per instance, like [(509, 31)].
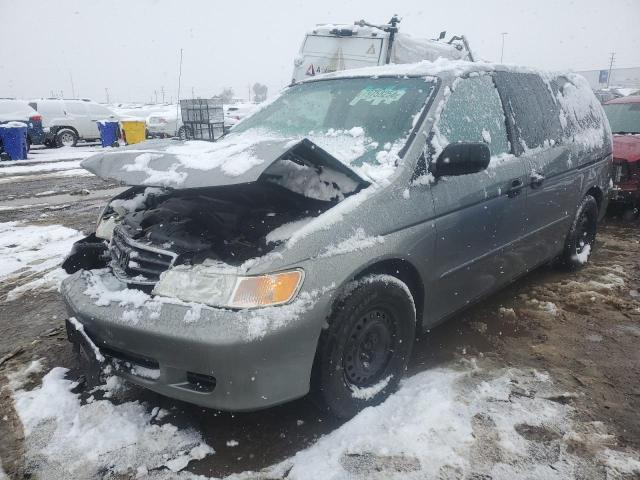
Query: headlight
[(203, 284), (105, 227)]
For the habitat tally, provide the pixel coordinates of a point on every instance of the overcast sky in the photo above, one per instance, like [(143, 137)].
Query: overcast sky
[(132, 47)]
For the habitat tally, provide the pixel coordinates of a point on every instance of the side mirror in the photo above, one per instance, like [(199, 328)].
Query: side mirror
[(462, 159)]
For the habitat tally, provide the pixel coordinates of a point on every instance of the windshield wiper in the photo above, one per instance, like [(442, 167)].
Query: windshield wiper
[(626, 133)]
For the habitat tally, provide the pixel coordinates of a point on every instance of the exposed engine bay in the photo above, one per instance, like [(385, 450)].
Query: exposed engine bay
[(146, 230)]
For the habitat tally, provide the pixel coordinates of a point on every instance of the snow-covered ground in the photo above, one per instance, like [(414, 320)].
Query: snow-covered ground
[(470, 419), (465, 420), (31, 255), (49, 162)]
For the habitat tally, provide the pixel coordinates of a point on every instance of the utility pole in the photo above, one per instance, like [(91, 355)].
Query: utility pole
[(502, 51), (249, 88), (162, 91), (73, 90), (193, 93), (106, 91), (611, 60), (178, 100)]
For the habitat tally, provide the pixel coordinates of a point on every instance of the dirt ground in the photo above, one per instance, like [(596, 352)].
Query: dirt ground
[(583, 328)]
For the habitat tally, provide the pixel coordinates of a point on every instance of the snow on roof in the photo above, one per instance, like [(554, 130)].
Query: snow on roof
[(441, 67), (360, 31)]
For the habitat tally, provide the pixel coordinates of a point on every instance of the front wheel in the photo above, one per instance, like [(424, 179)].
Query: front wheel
[(582, 235), (364, 352)]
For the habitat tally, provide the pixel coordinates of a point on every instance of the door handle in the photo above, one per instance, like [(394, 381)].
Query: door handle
[(514, 188), (536, 179)]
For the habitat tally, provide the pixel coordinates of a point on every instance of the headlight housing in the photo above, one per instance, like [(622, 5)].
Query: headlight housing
[(105, 227), (204, 284)]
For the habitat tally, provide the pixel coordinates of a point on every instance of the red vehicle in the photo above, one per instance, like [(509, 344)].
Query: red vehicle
[(624, 117)]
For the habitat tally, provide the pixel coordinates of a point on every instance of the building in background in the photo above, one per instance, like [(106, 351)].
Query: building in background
[(627, 78)]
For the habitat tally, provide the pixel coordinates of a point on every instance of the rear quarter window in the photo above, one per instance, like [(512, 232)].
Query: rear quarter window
[(531, 109), (580, 108)]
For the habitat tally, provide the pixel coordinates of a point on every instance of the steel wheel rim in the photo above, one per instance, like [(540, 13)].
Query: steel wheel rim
[(369, 348), (66, 139)]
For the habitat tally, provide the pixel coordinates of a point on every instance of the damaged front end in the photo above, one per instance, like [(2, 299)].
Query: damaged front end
[(194, 243)]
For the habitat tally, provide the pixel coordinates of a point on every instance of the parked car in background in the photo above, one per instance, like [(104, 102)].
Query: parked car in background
[(163, 124), (624, 118), (304, 250), (19, 111), (70, 121), (235, 112)]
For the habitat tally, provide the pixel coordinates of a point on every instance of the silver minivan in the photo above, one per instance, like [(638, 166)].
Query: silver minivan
[(305, 250)]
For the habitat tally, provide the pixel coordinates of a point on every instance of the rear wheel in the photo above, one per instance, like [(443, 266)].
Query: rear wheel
[(582, 234), (184, 133), (66, 138), (364, 352)]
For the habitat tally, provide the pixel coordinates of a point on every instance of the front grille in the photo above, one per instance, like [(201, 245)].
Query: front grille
[(135, 262)]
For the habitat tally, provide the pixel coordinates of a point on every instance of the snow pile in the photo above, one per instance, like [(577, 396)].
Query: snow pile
[(285, 231), (327, 184), (122, 206), (447, 423), (583, 256), (168, 177), (367, 393), (233, 154), (13, 124), (31, 254), (68, 439), (44, 167)]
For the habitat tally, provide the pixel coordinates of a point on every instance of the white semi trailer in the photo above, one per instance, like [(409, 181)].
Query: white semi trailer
[(332, 47)]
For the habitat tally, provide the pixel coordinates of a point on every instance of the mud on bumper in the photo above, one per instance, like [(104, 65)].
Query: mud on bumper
[(228, 360)]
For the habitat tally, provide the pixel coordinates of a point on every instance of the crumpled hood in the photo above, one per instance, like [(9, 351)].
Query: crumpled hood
[(626, 147), (235, 159)]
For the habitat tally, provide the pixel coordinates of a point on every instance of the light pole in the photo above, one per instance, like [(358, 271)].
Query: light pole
[(502, 51)]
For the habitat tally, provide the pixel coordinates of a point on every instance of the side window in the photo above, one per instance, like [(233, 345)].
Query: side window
[(532, 108), (473, 113), (579, 107), (76, 108), (99, 110)]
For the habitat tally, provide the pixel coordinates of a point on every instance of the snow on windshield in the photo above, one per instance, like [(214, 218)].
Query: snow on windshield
[(363, 122)]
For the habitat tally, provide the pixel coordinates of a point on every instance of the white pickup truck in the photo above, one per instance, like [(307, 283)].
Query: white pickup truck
[(332, 47)]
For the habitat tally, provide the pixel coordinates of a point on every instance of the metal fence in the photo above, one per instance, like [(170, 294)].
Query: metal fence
[(203, 118)]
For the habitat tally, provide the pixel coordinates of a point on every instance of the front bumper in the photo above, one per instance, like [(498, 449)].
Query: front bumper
[(162, 130), (257, 358)]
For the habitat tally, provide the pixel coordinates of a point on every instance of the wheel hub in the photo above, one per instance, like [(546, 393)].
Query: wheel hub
[(66, 139), (369, 348)]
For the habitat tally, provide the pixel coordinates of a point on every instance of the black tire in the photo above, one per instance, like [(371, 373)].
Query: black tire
[(367, 345), (184, 133), (581, 239), (66, 137)]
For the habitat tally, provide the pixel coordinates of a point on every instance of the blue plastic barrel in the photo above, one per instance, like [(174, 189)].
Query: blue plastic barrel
[(14, 139), (108, 133)]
